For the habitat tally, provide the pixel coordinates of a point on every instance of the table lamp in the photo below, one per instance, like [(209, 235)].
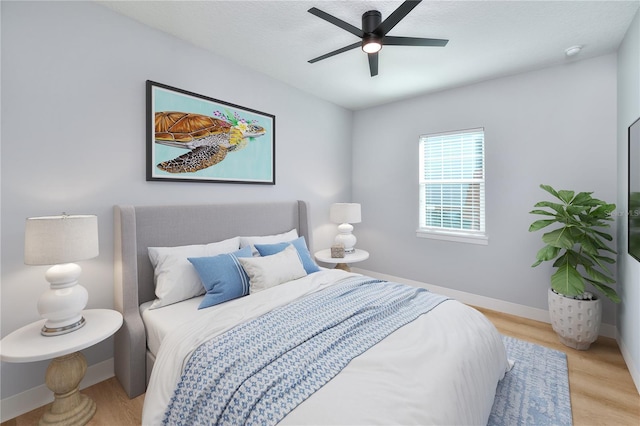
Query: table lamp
[(345, 214), (59, 241)]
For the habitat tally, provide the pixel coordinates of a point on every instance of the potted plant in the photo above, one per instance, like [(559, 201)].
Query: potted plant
[(581, 255)]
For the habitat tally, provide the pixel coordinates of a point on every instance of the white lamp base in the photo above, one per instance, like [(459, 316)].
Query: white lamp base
[(47, 330), (346, 238), (62, 303)]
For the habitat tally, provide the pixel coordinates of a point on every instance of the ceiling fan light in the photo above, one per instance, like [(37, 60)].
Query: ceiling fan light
[(371, 44), (372, 47)]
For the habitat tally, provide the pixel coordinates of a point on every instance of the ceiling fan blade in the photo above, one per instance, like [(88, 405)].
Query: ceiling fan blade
[(337, 22), (396, 16), (335, 52), (373, 63), (414, 41)]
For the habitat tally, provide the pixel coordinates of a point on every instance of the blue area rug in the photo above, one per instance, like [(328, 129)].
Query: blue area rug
[(536, 390)]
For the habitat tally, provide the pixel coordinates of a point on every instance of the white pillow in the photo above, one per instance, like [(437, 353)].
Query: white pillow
[(285, 237), (175, 277), (270, 271)]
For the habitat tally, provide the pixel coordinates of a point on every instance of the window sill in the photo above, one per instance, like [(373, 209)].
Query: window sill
[(454, 237)]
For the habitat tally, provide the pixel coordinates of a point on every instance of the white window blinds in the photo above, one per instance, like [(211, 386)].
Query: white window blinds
[(452, 183)]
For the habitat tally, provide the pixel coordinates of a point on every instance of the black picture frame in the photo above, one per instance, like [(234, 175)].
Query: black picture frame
[(196, 138), (633, 216)]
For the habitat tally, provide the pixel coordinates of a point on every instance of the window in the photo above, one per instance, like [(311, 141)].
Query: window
[(452, 186)]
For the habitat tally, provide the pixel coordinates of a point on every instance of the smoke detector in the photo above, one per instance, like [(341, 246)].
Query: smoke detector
[(573, 50)]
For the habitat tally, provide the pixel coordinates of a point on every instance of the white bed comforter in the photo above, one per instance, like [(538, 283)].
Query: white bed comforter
[(441, 369)]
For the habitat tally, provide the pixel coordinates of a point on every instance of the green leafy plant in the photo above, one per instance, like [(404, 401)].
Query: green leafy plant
[(578, 245)]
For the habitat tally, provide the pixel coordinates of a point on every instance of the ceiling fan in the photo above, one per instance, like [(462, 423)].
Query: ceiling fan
[(374, 33)]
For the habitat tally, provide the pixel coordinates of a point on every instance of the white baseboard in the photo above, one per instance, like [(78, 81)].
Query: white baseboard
[(626, 355), (528, 312), (33, 398)]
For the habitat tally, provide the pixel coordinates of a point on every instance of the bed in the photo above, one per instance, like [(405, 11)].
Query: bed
[(434, 364)]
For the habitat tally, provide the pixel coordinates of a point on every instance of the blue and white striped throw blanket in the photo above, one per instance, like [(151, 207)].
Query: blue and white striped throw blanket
[(259, 371)]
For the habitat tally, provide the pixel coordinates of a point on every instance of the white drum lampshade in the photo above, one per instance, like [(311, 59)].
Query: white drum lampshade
[(345, 214), (59, 241)]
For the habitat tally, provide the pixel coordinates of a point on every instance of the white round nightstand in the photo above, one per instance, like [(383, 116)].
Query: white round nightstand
[(68, 367), (342, 262)]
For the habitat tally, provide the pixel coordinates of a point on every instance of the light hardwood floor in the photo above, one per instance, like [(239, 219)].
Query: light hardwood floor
[(602, 391)]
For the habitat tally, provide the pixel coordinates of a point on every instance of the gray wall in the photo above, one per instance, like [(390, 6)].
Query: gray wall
[(555, 126), (73, 132), (628, 267)]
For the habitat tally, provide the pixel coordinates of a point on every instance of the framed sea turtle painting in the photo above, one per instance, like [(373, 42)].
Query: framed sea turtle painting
[(195, 138)]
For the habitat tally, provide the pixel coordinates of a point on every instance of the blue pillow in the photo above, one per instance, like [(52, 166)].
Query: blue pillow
[(222, 276), (301, 246)]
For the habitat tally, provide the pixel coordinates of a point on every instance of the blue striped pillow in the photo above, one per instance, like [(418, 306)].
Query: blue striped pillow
[(222, 277)]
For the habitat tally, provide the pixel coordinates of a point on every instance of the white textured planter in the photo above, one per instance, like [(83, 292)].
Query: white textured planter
[(577, 322)]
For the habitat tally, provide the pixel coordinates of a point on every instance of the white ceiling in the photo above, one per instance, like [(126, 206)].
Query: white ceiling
[(488, 39)]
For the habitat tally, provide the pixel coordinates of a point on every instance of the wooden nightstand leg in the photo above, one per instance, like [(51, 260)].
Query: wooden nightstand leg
[(343, 266), (69, 407)]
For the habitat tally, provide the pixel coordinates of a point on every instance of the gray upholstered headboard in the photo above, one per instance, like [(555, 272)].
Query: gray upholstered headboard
[(139, 227)]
